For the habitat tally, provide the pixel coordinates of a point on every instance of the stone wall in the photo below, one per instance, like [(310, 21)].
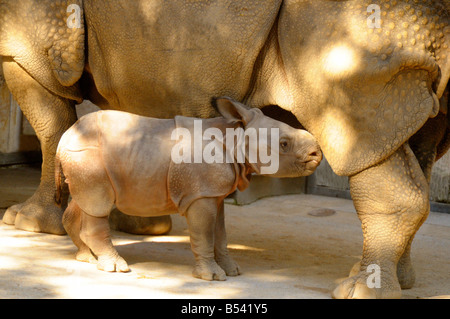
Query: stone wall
[(18, 142)]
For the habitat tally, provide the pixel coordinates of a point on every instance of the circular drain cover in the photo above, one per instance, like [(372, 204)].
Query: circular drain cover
[(322, 212)]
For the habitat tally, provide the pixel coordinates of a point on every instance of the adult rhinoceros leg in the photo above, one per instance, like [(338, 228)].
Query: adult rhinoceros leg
[(391, 199), (426, 147), (50, 116)]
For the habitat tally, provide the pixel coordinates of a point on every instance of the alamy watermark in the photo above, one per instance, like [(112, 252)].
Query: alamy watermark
[(374, 279), (237, 145), (74, 19), (374, 20)]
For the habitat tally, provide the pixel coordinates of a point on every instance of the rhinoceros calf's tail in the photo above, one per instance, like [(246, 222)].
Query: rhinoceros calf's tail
[(59, 179)]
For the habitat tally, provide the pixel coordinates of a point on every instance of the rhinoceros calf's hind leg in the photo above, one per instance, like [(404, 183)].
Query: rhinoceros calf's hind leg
[(72, 225), (95, 233)]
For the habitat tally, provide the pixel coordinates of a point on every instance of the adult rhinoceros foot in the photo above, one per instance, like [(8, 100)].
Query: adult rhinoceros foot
[(37, 215), (9, 217), (405, 271), (362, 286)]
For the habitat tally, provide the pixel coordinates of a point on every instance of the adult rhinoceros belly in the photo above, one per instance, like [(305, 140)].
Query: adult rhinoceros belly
[(167, 58)]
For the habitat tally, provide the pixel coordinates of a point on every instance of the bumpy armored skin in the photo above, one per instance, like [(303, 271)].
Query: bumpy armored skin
[(366, 91), (114, 158)]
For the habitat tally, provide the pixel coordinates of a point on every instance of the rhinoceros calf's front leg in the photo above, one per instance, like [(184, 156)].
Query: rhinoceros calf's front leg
[(220, 246), (391, 199), (201, 217)]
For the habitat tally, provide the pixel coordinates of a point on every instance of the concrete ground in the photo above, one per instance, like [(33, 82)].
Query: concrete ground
[(283, 249)]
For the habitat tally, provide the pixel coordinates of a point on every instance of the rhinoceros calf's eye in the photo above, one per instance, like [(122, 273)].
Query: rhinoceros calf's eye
[(284, 145)]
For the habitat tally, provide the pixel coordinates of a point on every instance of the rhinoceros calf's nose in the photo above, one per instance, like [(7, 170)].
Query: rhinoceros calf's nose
[(309, 150), (314, 154)]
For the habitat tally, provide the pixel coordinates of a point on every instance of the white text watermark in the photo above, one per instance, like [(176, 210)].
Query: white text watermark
[(74, 19), (374, 20), (237, 145), (374, 279)]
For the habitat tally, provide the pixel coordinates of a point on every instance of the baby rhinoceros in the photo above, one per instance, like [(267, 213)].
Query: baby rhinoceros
[(152, 167)]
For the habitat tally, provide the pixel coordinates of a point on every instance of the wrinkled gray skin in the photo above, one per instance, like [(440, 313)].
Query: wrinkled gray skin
[(375, 98), (114, 158)]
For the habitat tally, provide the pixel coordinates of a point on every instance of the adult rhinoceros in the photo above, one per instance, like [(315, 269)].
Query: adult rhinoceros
[(367, 78)]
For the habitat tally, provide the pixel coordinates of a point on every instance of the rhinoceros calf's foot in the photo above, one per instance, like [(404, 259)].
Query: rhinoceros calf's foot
[(209, 270), (112, 264), (230, 267), (85, 255)]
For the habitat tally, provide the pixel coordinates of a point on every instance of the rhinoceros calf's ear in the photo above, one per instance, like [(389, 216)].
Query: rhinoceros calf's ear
[(232, 110)]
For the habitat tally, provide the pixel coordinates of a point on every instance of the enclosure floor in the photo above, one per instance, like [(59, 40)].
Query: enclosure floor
[(283, 252)]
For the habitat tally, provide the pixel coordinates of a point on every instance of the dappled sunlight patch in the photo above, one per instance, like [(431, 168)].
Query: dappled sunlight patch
[(244, 247), (106, 285), (340, 60), (7, 262), (170, 239), (14, 238), (126, 240), (157, 280), (13, 242)]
